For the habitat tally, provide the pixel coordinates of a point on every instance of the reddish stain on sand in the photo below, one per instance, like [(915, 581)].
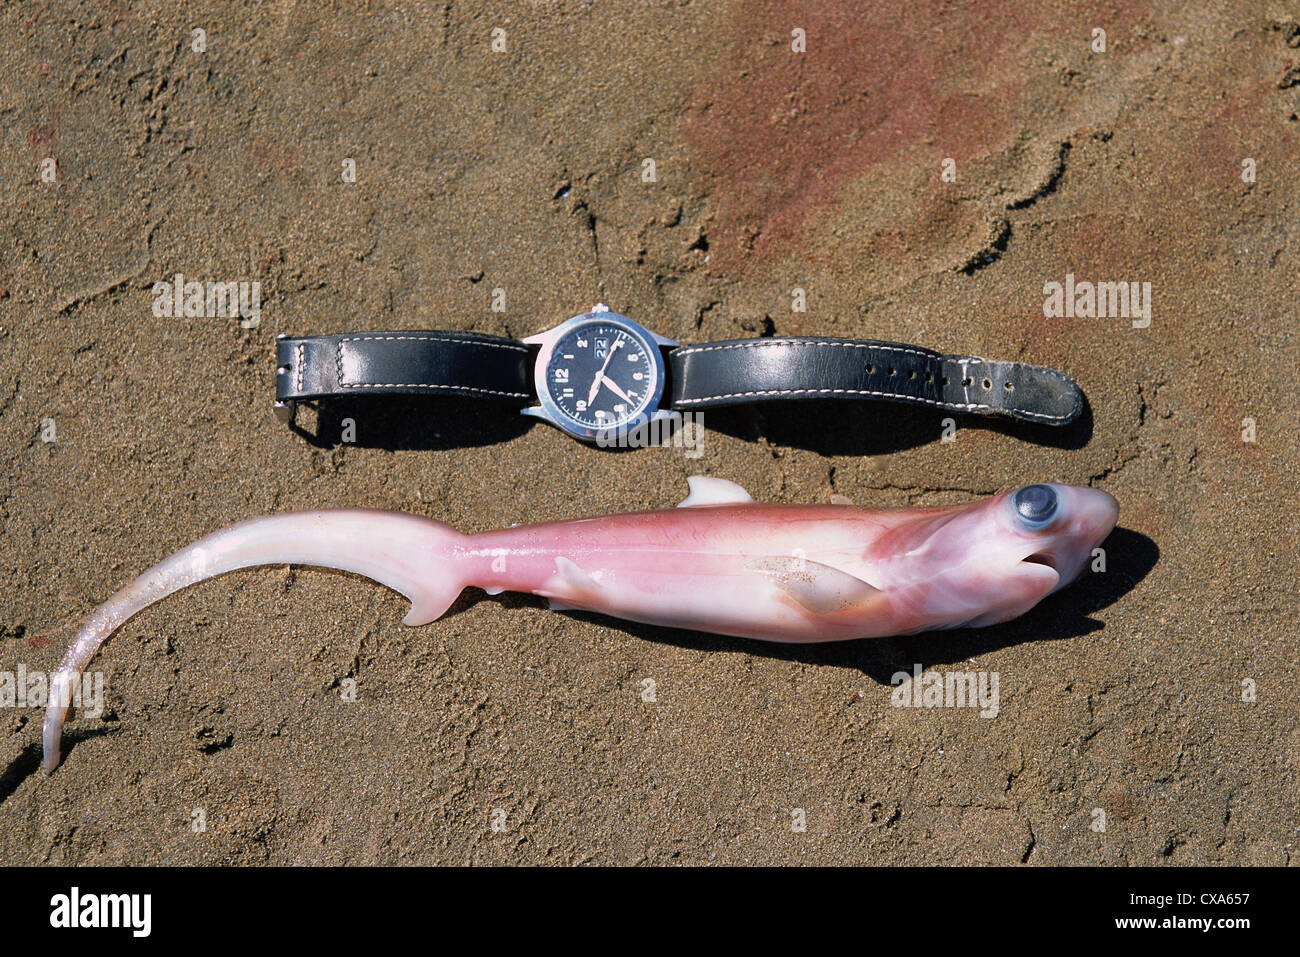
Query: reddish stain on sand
[(39, 136), (778, 132), (269, 155)]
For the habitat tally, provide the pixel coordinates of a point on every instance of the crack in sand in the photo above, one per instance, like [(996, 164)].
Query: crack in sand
[(112, 284)]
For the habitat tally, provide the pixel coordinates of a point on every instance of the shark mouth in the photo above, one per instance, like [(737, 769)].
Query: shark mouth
[(1042, 558), (1051, 571)]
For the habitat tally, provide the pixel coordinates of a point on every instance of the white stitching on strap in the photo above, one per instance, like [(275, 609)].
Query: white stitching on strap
[(888, 395), (686, 350), (508, 346), (437, 338), (428, 385)]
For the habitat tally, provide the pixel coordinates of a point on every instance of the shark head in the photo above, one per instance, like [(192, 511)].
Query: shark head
[(993, 560)]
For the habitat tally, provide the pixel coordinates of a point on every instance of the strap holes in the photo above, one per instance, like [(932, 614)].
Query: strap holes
[(945, 380), (1009, 386), (967, 382), (911, 374), (892, 371), (870, 369), (929, 377), (282, 370), (988, 384)]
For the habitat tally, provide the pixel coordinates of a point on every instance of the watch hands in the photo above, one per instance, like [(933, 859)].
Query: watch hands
[(595, 385), (613, 387)]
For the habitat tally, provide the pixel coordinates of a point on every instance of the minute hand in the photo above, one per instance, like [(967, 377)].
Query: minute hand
[(595, 383)]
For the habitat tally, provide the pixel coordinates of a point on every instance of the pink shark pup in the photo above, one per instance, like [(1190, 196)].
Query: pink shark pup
[(719, 563)]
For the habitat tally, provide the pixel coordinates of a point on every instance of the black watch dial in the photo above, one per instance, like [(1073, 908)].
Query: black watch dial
[(602, 375)]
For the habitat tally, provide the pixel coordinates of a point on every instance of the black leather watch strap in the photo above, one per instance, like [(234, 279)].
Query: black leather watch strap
[(754, 370), (440, 363)]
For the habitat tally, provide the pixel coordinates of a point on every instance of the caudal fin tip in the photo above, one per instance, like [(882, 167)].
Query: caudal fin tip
[(51, 742)]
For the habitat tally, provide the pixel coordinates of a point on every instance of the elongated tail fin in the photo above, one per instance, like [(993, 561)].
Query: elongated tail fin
[(409, 554)]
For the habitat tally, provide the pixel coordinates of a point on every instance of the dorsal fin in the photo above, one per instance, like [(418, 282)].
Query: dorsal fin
[(707, 490)]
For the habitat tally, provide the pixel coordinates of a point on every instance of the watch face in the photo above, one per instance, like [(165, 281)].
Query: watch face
[(602, 375), (599, 375)]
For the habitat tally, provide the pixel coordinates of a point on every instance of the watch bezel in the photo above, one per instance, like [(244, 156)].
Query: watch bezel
[(549, 410)]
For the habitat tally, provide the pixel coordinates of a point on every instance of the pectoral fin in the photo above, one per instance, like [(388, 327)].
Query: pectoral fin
[(821, 589), (707, 490)]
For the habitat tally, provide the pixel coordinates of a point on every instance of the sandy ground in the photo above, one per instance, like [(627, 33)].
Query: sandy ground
[(522, 171)]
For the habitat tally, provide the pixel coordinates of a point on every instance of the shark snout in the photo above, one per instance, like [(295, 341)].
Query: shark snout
[(1093, 514), (1100, 512)]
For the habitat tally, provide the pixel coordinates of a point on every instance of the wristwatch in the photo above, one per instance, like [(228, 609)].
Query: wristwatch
[(600, 375)]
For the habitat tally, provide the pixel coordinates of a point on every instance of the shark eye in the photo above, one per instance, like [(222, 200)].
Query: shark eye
[(1035, 505)]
